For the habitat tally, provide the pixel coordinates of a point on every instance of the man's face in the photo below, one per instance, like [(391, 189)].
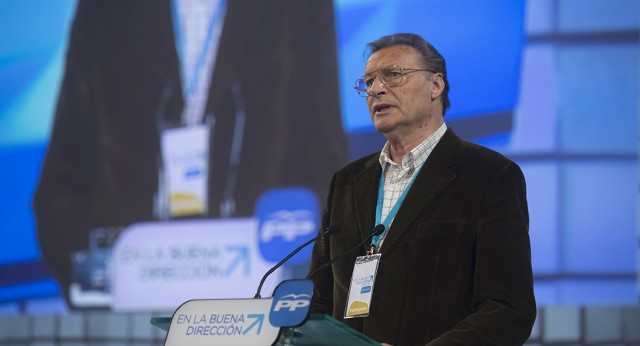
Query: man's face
[(411, 108)]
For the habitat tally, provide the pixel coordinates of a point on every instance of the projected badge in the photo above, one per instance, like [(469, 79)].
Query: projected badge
[(185, 155)]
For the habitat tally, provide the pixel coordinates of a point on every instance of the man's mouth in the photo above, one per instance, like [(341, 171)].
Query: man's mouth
[(380, 108)]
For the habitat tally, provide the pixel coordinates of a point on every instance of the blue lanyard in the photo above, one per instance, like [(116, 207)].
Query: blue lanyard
[(392, 213), (202, 55)]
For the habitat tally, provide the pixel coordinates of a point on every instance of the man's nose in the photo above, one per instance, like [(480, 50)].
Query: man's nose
[(377, 87)]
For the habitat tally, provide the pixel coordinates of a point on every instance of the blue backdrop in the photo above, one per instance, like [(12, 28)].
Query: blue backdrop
[(553, 87)]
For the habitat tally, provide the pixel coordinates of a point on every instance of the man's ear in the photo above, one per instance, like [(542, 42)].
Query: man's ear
[(437, 87)]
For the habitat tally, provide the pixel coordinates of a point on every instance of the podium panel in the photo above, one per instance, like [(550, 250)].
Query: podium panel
[(321, 330)]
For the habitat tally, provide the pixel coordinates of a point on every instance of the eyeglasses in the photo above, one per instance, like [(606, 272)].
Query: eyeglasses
[(391, 76)]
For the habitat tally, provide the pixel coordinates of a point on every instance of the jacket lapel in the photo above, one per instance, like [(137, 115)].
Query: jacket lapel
[(432, 179), (366, 194)]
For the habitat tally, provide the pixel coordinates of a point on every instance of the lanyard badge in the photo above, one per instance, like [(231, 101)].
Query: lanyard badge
[(361, 287)]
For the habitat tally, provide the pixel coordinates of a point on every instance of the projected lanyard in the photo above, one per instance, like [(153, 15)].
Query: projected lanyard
[(207, 51), (185, 149), (366, 267)]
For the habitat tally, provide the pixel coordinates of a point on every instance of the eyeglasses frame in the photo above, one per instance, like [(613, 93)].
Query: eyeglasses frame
[(403, 72)]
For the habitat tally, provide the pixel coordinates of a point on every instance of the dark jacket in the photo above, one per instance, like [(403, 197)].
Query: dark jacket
[(456, 264)]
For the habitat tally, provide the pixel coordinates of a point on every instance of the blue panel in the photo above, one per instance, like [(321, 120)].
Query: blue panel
[(586, 292), (17, 73), (34, 36), (542, 196), (594, 15), (539, 16), (598, 97), (25, 48), (32, 25), (599, 205), (598, 292), (17, 185), (535, 119), (546, 292), (45, 288)]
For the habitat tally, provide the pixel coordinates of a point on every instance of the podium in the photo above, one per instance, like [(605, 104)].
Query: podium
[(318, 330), (323, 330), (281, 320)]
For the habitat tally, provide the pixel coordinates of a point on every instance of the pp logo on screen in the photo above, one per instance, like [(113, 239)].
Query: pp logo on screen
[(291, 303), (286, 219)]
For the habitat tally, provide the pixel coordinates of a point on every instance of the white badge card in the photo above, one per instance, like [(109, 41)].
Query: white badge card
[(361, 287), (185, 155)]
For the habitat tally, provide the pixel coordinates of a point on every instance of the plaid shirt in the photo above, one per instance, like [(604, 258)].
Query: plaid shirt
[(397, 177)]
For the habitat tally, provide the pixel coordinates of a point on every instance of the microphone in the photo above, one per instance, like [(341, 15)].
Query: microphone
[(378, 230), (327, 231)]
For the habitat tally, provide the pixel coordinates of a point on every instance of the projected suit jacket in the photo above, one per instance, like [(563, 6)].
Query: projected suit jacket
[(456, 263), (121, 86)]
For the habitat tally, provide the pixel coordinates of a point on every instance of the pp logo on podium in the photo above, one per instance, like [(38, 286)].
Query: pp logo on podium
[(291, 303)]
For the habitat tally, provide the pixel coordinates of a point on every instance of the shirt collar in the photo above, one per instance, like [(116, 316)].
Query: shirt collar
[(417, 156)]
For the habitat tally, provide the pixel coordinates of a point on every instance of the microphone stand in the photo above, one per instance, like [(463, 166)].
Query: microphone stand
[(328, 231)]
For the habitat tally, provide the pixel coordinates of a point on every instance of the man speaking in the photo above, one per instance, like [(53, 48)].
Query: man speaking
[(453, 266)]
